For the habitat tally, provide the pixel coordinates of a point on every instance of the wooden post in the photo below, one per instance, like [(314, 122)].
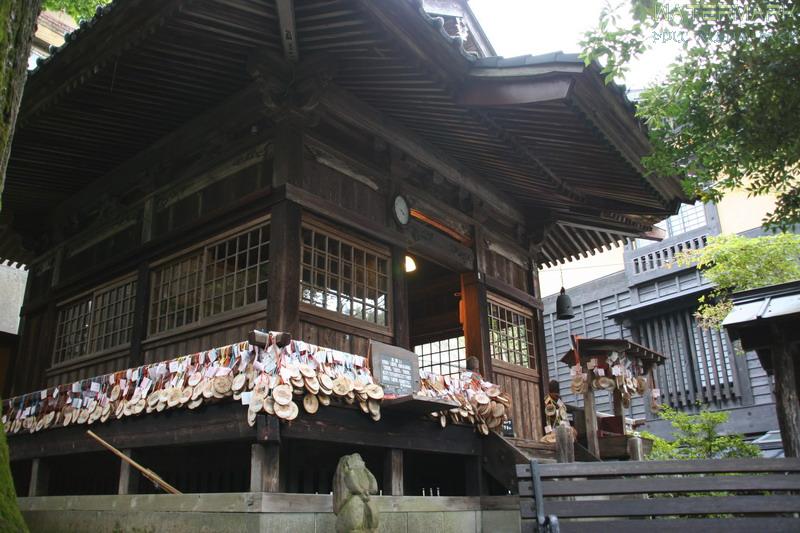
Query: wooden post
[(635, 449), (128, 476), (590, 415), (265, 467), (475, 320), (400, 298), (140, 313), (40, 478), (565, 446), (283, 302), (287, 163), (393, 472), (787, 402), (618, 409)]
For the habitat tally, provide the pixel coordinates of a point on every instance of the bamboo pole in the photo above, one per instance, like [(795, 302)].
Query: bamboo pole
[(146, 472)]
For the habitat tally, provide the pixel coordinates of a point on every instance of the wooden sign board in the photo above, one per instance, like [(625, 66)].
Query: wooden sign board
[(396, 369)]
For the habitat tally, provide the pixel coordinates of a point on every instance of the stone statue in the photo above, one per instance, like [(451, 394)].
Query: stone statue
[(352, 486)]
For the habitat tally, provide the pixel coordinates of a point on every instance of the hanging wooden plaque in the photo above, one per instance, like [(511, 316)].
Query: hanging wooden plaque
[(395, 368)]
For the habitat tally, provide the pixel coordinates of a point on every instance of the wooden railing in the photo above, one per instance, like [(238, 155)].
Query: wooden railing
[(724, 495)]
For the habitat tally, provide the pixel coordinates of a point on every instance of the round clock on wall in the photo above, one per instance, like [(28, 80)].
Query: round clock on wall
[(401, 210)]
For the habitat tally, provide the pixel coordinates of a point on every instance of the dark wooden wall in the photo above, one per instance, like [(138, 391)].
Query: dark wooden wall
[(301, 176)]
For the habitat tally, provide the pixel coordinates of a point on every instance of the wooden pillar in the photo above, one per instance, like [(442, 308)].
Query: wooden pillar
[(475, 320), (40, 478), (618, 409), (590, 415), (787, 402), (140, 312), (128, 476), (393, 481), (283, 301), (635, 449), (265, 470), (400, 298), (565, 445), (287, 162)]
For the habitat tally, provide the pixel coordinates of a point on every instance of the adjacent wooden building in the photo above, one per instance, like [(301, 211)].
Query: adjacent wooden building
[(186, 171)]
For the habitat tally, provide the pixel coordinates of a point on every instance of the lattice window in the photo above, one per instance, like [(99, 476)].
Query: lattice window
[(444, 357), (175, 296), (511, 336), (236, 271), (343, 277), (112, 320), (225, 274), (95, 322)]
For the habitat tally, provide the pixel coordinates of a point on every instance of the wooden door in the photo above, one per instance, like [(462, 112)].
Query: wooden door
[(512, 344)]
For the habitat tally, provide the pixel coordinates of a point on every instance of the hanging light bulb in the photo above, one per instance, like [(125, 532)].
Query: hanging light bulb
[(411, 265)]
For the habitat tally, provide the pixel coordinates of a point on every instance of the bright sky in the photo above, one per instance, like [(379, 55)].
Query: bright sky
[(518, 27)]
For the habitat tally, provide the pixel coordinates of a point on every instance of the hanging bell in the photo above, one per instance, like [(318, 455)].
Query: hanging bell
[(564, 306)]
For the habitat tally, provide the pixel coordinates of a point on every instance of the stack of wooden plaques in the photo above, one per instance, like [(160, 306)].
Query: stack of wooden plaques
[(273, 379), (480, 403)]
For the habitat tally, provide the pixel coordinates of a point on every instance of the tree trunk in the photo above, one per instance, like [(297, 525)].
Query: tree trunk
[(16, 34), (17, 25)]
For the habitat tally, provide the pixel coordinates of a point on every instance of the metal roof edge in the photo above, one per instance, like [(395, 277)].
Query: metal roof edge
[(781, 289)]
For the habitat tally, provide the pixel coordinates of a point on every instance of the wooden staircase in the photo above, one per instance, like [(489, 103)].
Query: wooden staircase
[(501, 455)]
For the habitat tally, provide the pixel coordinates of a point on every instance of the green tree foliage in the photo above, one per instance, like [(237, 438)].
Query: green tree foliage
[(77, 9), (697, 437), (10, 517), (735, 263), (726, 116)]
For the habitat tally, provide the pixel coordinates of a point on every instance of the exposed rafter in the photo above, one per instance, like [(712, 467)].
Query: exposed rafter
[(338, 102)]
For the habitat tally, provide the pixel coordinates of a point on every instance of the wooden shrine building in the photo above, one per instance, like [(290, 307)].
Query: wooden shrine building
[(186, 171)]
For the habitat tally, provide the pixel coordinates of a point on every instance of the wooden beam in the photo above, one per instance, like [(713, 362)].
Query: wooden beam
[(435, 246), (40, 478), (128, 476), (187, 139), (283, 301), (140, 314), (393, 482), (286, 21), (395, 430), (475, 320), (590, 416), (342, 104), (400, 299), (211, 423), (287, 164), (512, 293), (265, 467)]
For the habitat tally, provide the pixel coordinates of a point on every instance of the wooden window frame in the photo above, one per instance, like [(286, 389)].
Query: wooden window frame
[(527, 313), (200, 248), (383, 252), (436, 367), (91, 341)]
